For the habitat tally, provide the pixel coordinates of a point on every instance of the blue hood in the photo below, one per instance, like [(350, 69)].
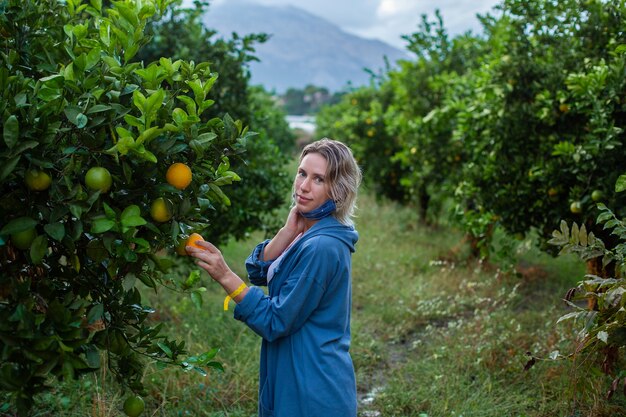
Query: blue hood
[(330, 226)]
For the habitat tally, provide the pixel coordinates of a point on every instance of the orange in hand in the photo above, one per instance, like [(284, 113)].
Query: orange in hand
[(191, 241)]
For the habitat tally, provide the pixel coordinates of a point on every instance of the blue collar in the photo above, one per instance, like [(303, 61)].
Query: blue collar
[(322, 211)]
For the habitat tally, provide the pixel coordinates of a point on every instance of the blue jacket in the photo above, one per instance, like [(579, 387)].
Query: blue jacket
[(306, 369)]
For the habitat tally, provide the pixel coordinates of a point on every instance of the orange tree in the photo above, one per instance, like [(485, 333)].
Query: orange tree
[(265, 182), (421, 116), (74, 240), (542, 122), (359, 120)]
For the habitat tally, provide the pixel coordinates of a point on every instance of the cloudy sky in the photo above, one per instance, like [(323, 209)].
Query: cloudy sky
[(389, 19)]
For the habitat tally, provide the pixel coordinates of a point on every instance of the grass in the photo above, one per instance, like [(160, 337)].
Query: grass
[(434, 334)]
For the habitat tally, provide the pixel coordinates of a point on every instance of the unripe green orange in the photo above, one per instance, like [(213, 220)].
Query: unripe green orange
[(98, 178), (134, 406), (597, 195), (22, 240), (160, 210), (37, 180), (576, 207)]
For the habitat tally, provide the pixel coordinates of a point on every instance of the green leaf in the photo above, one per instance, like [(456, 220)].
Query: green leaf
[(92, 356), (192, 279), (110, 213), (165, 349), (196, 298), (55, 230), (215, 365), (131, 216), (179, 116), (620, 185), (147, 280), (95, 313), (81, 121), (9, 166), (93, 57), (102, 225), (18, 225), (53, 81), (11, 131), (39, 248), (219, 194), (98, 108)]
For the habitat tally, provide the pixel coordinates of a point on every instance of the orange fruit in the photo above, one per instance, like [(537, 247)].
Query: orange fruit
[(178, 175), (191, 241), (160, 210), (134, 406), (37, 180), (576, 207), (22, 240), (98, 178), (597, 195)]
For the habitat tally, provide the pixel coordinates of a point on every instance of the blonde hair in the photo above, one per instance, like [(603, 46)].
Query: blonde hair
[(342, 173)]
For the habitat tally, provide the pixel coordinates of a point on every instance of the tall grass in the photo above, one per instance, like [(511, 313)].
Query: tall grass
[(434, 334)]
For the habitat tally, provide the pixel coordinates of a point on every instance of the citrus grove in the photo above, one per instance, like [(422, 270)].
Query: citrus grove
[(513, 130), (107, 165)]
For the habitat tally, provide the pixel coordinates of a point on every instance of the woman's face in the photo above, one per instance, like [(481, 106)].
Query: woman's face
[(311, 187)]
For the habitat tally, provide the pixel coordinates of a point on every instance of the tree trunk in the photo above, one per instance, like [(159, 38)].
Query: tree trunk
[(424, 200), (595, 267)]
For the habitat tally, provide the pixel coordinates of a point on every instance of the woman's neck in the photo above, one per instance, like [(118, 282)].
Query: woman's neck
[(308, 223)]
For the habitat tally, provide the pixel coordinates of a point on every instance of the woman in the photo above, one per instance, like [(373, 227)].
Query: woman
[(306, 369)]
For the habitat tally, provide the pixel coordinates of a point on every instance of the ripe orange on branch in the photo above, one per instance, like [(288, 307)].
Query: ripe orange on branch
[(178, 175)]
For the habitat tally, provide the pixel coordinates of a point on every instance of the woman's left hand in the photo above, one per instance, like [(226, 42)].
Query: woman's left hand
[(211, 260)]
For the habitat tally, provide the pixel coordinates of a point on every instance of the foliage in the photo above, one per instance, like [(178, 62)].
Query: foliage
[(423, 123), (308, 100), (358, 120), (265, 182), (72, 99), (544, 127), (517, 127), (602, 331)]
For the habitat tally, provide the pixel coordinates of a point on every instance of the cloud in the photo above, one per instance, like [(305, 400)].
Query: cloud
[(389, 19), (395, 18)]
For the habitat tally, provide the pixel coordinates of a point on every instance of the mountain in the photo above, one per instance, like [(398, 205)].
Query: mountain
[(303, 48)]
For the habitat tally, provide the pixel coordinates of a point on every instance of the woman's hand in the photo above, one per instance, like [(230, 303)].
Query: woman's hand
[(295, 222), (211, 260), (292, 228)]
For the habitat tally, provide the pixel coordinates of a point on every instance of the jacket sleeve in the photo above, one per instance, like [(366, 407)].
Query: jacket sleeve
[(257, 268), (298, 297)]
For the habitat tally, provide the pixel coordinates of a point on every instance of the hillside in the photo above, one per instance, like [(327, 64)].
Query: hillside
[(303, 48)]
